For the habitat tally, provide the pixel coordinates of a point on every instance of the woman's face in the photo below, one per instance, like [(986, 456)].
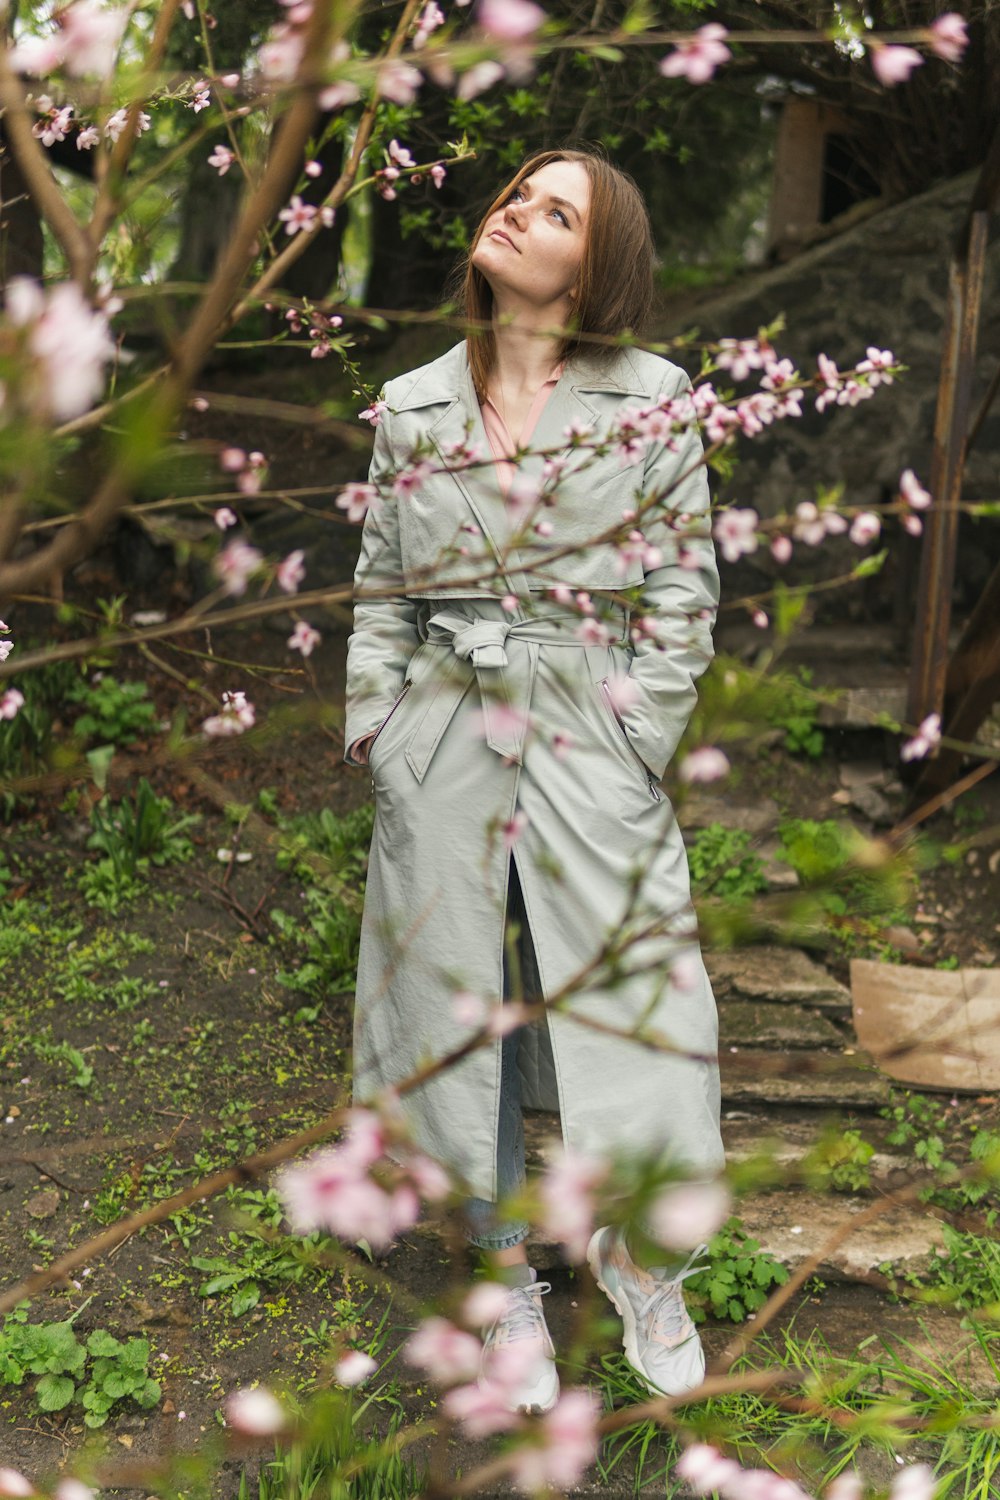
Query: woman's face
[(532, 245)]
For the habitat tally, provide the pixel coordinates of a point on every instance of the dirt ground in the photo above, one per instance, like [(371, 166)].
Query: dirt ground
[(208, 1057)]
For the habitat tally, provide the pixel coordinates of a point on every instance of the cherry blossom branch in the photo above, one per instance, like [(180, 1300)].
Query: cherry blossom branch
[(37, 173), (111, 187)]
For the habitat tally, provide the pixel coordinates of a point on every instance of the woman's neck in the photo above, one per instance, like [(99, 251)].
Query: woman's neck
[(527, 350)]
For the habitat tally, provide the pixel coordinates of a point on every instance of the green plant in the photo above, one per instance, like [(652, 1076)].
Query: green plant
[(27, 740), (331, 942), (255, 1262), (46, 1050), (318, 845), (722, 862), (340, 1461), (96, 1375), (140, 831), (967, 1273), (840, 1161), (851, 876), (737, 1279), (794, 711), (114, 713)]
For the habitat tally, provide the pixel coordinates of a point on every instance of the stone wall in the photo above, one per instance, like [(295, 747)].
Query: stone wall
[(881, 282)]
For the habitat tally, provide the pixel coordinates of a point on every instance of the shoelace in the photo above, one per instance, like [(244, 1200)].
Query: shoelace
[(522, 1317), (665, 1304)]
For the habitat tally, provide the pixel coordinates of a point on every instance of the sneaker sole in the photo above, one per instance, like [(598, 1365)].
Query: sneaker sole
[(630, 1339)]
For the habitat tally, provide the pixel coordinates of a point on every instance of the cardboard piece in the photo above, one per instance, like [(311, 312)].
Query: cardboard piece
[(937, 1028)]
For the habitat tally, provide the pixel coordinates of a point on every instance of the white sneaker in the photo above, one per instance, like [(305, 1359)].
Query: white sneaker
[(661, 1342), (518, 1354)]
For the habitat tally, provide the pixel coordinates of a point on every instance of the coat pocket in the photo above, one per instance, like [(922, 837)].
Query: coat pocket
[(620, 730), (378, 732)]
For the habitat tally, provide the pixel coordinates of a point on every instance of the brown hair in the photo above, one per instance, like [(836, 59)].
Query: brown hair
[(615, 286)]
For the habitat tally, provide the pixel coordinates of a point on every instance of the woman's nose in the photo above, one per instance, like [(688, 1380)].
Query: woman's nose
[(510, 213)]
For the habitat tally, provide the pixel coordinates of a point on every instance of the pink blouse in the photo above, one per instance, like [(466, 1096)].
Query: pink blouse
[(502, 444)]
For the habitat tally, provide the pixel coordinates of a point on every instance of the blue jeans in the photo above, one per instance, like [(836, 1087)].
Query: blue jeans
[(484, 1228)]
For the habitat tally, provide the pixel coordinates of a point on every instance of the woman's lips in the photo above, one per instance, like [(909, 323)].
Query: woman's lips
[(500, 234)]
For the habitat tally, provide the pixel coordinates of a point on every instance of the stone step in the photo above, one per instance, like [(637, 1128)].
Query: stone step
[(793, 1226), (748, 1133), (767, 972), (748, 1023), (817, 1079)]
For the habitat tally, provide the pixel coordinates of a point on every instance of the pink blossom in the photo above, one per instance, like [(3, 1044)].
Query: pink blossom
[(88, 138), (735, 530), (70, 339), (304, 638), (374, 413), (845, 1487), (398, 82), (567, 1196), (501, 1020), (37, 56), (313, 169), (830, 376), (926, 738), (687, 1214), (429, 1177), (485, 1303), (6, 647), (332, 1191), (354, 1368), (290, 572), (696, 58), (704, 764), (892, 64), (115, 124), (480, 77), (467, 1008), (224, 517), (438, 174), (915, 1482), (232, 460), (73, 1489), (593, 633), (235, 565), (913, 491), (10, 703), (509, 20), (281, 54), (399, 155), (513, 829), (759, 618), (338, 95), (948, 36), (4, 628), (92, 34), (297, 215), (562, 744), (705, 1469), (481, 1408), (431, 17), (865, 528), (256, 1412), (877, 366), (408, 481), (237, 714), (781, 548), (448, 1354), (356, 500), (912, 524), (623, 693), (809, 525), (55, 128), (222, 159), (740, 356), (568, 1445), (202, 98), (14, 1483), (686, 972)]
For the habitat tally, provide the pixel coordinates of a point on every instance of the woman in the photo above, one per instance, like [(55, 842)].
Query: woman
[(517, 728)]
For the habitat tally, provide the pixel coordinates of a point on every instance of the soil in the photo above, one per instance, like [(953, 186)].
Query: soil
[(209, 1056)]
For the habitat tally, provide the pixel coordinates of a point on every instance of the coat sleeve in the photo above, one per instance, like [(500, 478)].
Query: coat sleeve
[(385, 628), (680, 602)]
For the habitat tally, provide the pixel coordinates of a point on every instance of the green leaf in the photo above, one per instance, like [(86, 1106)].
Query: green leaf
[(136, 1354), (53, 1392), (868, 566), (147, 1394), (115, 1386), (220, 1283), (247, 1297), (102, 1343)]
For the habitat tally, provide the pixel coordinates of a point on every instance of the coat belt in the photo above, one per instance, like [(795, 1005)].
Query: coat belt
[(480, 655)]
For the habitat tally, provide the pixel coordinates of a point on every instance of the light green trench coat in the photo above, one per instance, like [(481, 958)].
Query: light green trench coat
[(491, 718)]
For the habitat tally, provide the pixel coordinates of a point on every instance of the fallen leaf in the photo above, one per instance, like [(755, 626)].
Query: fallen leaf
[(13, 1112), (125, 1439), (44, 1204)]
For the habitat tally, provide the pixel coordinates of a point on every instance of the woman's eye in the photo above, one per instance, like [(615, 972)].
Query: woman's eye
[(560, 215)]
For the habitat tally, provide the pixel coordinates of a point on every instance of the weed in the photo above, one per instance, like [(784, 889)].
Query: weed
[(139, 832), (80, 1070), (839, 1160), (96, 1375), (340, 1462), (114, 713), (794, 711), (256, 1262), (721, 861), (26, 741), (851, 875), (737, 1280)]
